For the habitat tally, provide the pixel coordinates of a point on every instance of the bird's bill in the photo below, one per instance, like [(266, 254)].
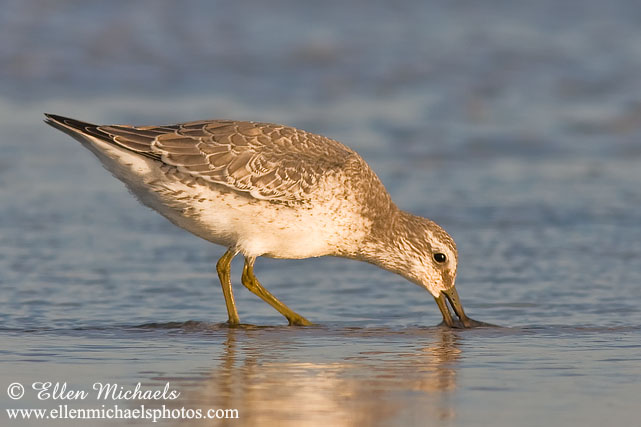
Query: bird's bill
[(451, 295)]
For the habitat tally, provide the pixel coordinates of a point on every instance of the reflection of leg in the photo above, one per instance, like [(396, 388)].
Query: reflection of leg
[(250, 281), (223, 267)]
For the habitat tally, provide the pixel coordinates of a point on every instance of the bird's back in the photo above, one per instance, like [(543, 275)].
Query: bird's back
[(268, 161)]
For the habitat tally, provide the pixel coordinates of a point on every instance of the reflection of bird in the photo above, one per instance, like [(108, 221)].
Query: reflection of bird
[(270, 190), (257, 374)]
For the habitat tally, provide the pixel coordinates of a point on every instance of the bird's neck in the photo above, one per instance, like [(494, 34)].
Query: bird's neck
[(394, 242)]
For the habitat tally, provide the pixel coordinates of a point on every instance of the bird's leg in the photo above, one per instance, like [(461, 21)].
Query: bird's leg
[(250, 281), (223, 267)]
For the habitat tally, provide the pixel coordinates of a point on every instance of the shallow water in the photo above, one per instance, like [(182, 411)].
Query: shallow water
[(514, 127)]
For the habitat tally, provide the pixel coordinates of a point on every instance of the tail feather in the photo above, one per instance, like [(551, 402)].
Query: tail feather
[(112, 134), (75, 127)]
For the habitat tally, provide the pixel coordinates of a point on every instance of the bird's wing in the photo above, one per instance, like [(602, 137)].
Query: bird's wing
[(268, 161)]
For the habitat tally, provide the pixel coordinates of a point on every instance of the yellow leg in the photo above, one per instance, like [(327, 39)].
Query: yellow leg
[(223, 267), (250, 281)]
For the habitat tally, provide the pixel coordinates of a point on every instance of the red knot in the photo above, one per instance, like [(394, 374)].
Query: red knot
[(262, 189)]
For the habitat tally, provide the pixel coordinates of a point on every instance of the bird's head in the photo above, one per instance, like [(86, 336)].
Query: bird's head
[(427, 256)]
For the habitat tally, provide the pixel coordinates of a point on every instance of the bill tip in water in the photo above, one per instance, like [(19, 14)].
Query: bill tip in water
[(471, 323)]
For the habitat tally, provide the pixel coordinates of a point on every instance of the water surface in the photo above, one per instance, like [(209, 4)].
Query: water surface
[(516, 127)]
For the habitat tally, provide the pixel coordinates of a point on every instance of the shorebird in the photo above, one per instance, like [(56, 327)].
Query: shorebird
[(262, 189)]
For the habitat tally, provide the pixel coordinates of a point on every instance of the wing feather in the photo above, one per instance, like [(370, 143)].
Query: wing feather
[(268, 161)]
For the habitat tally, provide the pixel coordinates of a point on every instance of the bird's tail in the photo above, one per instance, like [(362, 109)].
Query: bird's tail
[(75, 128)]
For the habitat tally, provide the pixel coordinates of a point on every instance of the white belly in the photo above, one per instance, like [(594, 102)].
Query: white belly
[(254, 227)]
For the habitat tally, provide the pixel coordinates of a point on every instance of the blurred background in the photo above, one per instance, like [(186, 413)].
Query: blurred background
[(515, 125)]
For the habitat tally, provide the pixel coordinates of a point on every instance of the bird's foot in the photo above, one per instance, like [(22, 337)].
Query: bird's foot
[(299, 321)]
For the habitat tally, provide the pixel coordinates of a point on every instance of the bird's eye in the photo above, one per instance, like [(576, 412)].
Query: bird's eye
[(439, 257)]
